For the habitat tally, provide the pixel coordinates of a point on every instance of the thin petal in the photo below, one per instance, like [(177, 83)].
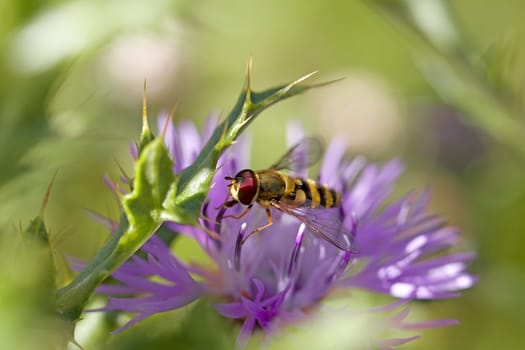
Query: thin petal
[(245, 332), (231, 310)]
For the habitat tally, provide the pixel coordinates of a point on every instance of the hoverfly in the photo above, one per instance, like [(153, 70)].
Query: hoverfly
[(314, 204)]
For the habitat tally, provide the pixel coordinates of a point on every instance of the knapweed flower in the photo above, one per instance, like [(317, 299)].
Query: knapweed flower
[(281, 274)]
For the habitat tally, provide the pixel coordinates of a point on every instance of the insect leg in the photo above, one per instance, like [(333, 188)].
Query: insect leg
[(270, 223), (215, 235), (227, 203), (237, 217)]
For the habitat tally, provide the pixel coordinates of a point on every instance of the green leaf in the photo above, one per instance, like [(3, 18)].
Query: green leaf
[(142, 207), (36, 236), (31, 263)]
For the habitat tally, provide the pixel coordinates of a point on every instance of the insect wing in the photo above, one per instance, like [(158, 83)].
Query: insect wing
[(325, 223), (301, 156)]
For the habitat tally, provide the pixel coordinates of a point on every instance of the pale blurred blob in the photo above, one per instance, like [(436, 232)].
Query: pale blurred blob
[(64, 31), (89, 328), (362, 110), (129, 60), (68, 123), (55, 35), (432, 18), (348, 324)]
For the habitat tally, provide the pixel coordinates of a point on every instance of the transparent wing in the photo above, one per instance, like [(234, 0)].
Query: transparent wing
[(301, 156), (325, 223)]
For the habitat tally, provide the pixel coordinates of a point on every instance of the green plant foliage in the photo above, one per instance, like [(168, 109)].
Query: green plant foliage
[(158, 195)]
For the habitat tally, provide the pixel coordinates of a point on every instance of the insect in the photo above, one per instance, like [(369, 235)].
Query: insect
[(314, 204)]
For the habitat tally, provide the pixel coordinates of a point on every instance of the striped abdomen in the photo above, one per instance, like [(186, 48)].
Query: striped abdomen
[(308, 193)]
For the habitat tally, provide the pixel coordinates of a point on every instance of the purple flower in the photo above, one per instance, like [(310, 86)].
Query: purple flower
[(280, 275)]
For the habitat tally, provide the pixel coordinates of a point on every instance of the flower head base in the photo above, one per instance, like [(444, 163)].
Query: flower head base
[(277, 275)]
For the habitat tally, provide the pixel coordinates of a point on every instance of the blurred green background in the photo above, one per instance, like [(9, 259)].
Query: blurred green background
[(437, 85)]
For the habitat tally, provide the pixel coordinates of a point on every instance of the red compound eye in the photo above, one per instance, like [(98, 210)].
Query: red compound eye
[(248, 186)]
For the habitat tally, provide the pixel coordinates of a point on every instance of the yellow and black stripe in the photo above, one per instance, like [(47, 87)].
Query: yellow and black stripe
[(312, 194)]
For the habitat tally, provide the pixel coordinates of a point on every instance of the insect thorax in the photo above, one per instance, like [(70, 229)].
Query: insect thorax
[(272, 184)]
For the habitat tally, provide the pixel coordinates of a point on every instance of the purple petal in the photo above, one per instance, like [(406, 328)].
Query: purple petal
[(245, 332), (332, 163), (430, 324), (387, 344), (231, 310)]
